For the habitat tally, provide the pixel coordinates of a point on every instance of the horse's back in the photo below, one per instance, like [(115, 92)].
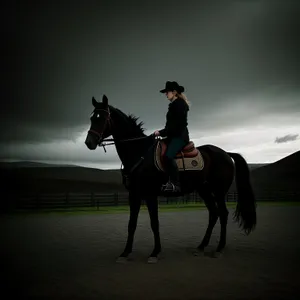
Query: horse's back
[(211, 148), (215, 154)]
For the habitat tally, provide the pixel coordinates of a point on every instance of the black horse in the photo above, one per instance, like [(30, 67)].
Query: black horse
[(144, 179)]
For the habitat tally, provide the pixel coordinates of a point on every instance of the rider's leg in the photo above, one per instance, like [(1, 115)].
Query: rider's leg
[(174, 146)]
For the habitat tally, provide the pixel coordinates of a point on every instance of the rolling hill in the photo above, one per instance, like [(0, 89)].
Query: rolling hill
[(30, 164), (31, 177), (28, 179), (283, 174)]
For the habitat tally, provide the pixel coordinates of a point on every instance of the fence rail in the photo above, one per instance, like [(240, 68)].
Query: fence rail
[(97, 200)]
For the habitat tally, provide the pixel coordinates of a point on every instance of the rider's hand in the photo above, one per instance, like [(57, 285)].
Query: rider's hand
[(156, 133)]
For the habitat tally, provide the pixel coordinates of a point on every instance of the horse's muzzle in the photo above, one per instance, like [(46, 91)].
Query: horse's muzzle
[(91, 142)]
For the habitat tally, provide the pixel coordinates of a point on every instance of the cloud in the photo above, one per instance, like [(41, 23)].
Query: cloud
[(254, 142), (228, 53), (286, 138)]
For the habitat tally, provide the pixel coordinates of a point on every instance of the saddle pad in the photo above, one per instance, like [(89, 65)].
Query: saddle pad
[(184, 164)]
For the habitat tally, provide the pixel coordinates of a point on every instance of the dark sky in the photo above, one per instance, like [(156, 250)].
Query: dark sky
[(238, 60)]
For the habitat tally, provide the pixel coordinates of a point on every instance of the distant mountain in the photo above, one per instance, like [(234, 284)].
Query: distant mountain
[(283, 174), (255, 166), (30, 164), (32, 177)]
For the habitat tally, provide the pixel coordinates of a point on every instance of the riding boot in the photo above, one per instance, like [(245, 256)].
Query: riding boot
[(173, 185)]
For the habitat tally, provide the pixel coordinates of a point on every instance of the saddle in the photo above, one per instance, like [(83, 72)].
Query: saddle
[(189, 158)]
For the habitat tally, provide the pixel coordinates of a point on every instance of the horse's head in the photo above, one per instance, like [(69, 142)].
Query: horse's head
[(100, 124)]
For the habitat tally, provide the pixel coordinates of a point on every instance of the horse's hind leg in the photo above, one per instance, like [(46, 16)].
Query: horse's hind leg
[(223, 214), (210, 203)]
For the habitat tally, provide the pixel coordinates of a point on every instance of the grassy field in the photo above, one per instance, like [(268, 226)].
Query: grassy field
[(125, 209)]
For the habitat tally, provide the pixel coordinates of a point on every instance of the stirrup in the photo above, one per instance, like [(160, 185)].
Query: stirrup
[(170, 187)]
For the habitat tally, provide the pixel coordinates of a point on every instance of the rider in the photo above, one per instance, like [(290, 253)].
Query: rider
[(176, 132)]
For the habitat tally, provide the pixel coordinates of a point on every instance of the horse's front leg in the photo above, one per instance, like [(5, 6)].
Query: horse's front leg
[(152, 204), (135, 204)]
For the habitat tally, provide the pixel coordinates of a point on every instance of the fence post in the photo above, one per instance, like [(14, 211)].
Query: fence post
[(37, 200), (67, 199), (97, 203), (116, 198), (92, 199)]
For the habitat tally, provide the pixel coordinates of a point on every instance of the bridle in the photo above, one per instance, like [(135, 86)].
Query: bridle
[(109, 121), (101, 142)]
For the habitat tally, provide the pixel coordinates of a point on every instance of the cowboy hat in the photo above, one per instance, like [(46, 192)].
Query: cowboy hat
[(172, 86)]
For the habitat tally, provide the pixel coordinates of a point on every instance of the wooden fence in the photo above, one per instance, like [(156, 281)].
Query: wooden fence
[(97, 200)]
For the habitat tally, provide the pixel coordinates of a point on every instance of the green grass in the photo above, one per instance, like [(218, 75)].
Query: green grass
[(278, 203), (125, 209), (113, 209)]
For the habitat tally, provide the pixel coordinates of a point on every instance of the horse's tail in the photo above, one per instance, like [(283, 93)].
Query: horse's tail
[(245, 213)]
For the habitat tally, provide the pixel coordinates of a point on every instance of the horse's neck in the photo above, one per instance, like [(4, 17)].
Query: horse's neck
[(123, 128)]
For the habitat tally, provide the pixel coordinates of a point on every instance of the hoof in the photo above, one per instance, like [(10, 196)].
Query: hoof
[(198, 252), (122, 260), (217, 254), (152, 260)]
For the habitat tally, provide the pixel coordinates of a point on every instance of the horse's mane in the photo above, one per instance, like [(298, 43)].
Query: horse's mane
[(132, 120)]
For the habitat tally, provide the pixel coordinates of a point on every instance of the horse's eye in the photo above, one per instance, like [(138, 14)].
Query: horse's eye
[(98, 116)]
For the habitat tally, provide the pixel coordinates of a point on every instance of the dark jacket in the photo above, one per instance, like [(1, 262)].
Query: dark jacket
[(176, 120)]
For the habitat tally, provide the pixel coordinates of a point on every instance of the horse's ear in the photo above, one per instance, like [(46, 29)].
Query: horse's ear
[(94, 102), (105, 100)]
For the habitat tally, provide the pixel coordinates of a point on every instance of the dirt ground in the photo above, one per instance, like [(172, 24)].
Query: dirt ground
[(74, 257)]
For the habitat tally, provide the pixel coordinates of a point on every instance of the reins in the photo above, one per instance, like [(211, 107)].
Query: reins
[(129, 140), (120, 141)]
